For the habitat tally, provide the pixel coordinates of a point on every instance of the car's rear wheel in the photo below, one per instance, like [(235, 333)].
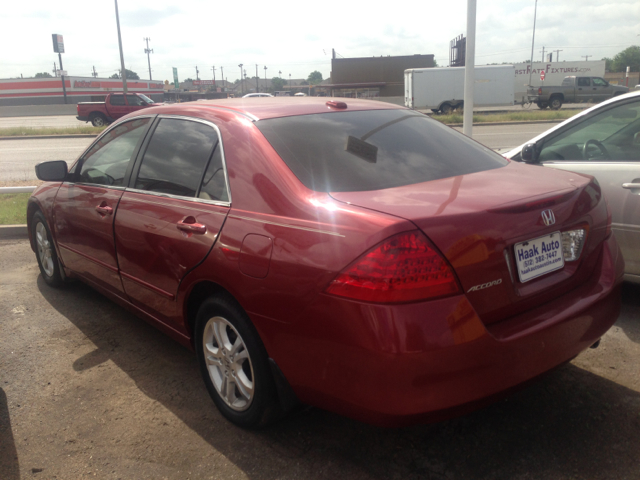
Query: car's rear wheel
[(98, 120), (555, 103), (45, 251), (234, 364), (446, 108)]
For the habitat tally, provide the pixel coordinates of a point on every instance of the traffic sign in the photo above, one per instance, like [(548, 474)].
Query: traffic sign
[(542, 75)]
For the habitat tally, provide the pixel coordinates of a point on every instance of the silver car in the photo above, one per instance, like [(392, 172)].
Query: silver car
[(603, 141)]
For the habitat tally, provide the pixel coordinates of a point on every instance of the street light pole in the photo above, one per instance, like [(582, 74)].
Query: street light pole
[(265, 78), (123, 70), (241, 86), (469, 68), (257, 80), (214, 77)]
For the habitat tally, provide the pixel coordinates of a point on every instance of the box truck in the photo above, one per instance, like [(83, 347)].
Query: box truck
[(442, 89)]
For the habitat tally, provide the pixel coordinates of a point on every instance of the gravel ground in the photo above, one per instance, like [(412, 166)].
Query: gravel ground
[(89, 390)]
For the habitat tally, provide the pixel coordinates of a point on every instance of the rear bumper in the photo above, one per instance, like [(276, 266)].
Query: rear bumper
[(413, 363), (83, 119)]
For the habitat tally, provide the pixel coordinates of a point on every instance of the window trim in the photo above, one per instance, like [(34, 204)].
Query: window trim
[(130, 186)]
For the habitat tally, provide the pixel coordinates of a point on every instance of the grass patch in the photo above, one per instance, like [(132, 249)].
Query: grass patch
[(523, 116), (13, 208), (23, 131)]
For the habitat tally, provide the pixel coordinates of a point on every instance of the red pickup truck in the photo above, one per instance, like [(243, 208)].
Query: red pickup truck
[(116, 105)]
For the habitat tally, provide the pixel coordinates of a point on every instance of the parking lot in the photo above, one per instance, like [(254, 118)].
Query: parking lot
[(89, 390)]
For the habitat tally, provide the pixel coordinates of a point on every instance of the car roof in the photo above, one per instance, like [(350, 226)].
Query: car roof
[(259, 108), (616, 99)]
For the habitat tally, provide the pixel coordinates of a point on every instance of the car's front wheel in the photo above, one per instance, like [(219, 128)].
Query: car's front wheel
[(45, 251), (234, 363), (98, 120)]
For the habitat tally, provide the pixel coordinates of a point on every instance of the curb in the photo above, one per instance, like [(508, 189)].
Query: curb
[(46, 137), (13, 232)]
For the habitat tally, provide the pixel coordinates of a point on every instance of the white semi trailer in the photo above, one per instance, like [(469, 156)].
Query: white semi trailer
[(442, 89)]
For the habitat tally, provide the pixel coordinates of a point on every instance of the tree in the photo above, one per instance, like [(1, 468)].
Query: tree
[(314, 77), (435, 62), (131, 75), (629, 57), (607, 64), (278, 83), (43, 75)]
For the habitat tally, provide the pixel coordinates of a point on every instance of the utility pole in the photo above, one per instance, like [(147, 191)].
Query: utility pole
[(214, 77), (147, 51), (257, 80), (289, 83), (533, 39), (95, 74), (123, 70), (241, 85), (543, 54), (557, 55), (265, 78), (586, 57), (222, 76), (55, 69), (197, 72)]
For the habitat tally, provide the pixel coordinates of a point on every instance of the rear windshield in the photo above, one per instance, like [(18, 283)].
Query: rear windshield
[(373, 149)]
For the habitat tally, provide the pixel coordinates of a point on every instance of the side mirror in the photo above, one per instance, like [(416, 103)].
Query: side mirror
[(528, 153), (54, 171)]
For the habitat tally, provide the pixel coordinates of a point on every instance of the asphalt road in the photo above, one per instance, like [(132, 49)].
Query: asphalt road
[(89, 390), (19, 157)]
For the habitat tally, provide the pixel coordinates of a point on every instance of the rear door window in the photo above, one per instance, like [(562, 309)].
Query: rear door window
[(179, 154), (117, 100), (373, 149)]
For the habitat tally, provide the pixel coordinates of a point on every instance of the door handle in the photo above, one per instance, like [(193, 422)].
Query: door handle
[(631, 185), (104, 209), (189, 225)]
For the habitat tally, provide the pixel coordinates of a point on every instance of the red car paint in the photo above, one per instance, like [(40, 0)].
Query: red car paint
[(278, 246)]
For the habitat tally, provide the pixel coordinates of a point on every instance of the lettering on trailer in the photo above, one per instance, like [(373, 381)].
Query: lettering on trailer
[(550, 69), (85, 84)]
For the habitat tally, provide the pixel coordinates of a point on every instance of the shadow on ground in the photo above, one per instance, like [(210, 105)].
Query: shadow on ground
[(9, 466), (572, 424)]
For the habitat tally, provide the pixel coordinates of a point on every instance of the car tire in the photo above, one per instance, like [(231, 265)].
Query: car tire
[(555, 103), (45, 251), (446, 109), (234, 364), (98, 120)]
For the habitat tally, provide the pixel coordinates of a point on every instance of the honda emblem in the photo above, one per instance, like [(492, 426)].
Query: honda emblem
[(548, 217)]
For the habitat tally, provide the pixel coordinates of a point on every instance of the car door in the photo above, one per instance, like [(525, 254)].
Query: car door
[(606, 145), (601, 89), (170, 215), (583, 89), (117, 106), (85, 205), (135, 103)]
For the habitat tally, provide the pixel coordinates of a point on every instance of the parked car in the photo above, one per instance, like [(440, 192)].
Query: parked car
[(356, 256), (574, 90), (603, 141), (250, 95), (115, 106)]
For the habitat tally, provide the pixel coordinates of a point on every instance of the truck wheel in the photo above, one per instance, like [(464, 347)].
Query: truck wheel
[(98, 120), (542, 105), (446, 109), (555, 103)]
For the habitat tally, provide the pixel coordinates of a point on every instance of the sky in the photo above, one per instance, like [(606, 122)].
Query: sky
[(295, 39)]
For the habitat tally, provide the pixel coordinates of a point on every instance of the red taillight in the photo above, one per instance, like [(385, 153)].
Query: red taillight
[(539, 91), (403, 268)]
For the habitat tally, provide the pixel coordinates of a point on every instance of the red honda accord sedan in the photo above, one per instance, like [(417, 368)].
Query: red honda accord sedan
[(352, 255)]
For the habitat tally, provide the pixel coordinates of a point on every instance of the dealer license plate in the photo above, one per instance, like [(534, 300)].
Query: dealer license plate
[(539, 256)]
